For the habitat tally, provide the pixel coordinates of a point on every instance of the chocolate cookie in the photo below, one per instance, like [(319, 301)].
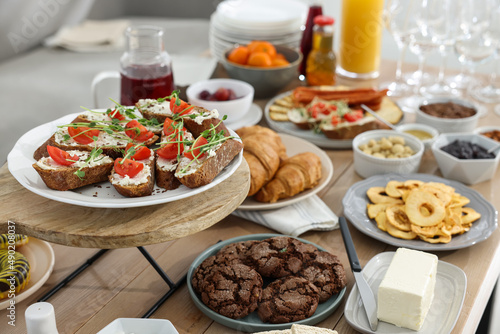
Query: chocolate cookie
[(278, 256), (238, 251), (288, 299), (326, 272), (233, 291)]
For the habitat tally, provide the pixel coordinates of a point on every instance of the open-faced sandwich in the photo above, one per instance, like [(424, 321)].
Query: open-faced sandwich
[(121, 146)]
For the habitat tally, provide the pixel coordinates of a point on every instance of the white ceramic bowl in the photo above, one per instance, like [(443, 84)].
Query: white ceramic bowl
[(486, 128), (234, 109), (468, 171), (139, 326), (421, 127), (367, 165), (446, 125)]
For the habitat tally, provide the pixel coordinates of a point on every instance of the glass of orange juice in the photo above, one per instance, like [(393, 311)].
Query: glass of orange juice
[(360, 38)]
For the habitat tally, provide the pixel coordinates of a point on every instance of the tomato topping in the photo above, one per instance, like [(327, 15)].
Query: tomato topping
[(170, 126), (335, 120), (180, 107), (61, 157), (194, 151), (321, 108), (128, 167), (354, 115), (83, 134), (170, 150), (116, 114), (141, 152), (137, 131)]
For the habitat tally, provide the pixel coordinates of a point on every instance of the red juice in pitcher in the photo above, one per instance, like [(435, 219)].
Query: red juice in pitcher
[(307, 36), (143, 82)]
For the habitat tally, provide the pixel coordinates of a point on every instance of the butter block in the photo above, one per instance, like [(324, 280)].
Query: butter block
[(407, 289)]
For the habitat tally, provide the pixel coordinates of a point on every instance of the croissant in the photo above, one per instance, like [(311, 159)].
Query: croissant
[(296, 174), (263, 151)]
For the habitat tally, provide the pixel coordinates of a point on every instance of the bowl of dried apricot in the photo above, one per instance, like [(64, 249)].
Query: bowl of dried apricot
[(267, 67)]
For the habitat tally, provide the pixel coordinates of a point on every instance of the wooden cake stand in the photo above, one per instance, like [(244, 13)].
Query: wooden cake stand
[(85, 227)]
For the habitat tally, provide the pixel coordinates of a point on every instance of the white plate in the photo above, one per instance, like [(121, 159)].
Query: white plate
[(41, 258), (294, 146), (252, 117), (449, 294), (139, 326), (100, 195), (252, 323), (355, 202)]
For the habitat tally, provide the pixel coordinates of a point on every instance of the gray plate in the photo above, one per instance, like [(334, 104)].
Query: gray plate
[(355, 201), (449, 294), (252, 323)]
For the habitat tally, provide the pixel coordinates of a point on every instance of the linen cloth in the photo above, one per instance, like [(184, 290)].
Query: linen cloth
[(308, 214)]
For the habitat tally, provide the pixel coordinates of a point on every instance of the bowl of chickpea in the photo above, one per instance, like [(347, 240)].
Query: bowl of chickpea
[(386, 151)]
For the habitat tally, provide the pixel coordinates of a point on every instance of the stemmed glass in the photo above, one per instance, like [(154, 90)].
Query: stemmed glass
[(396, 20), (437, 20), (491, 92)]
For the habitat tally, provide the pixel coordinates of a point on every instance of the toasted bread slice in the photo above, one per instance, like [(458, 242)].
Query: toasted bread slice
[(194, 174), (110, 145), (151, 108), (63, 178), (140, 185), (201, 119), (165, 173)]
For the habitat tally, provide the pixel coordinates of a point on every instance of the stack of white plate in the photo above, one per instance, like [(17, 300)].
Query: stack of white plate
[(242, 21)]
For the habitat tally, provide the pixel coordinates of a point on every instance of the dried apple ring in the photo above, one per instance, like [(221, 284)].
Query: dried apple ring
[(374, 209), (458, 200), (426, 231), (395, 188), (400, 234), (444, 239), (469, 215), (377, 195), (415, 204), (381, 220), (397, 217), (412, 184), (443, 195)]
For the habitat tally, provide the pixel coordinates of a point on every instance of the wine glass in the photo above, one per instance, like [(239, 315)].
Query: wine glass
[(437, 20), (396, 20), (491, 92)]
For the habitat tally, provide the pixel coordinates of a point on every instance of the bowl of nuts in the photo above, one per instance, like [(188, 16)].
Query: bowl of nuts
[(386, 151)]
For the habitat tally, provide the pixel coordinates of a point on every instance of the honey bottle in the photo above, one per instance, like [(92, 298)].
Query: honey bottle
[(321, 61)]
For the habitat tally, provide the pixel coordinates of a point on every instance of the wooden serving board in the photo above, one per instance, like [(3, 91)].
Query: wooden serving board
[(86, 227)]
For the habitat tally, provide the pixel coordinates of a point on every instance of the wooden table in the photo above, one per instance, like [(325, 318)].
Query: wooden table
[(122, 284)]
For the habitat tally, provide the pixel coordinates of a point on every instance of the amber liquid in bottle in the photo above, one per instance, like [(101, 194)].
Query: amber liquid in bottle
[(321, 62), (306, 42)]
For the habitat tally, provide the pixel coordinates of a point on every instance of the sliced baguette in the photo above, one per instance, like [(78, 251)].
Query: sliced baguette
[(165, 173), (305, 329), (150, 109), (136, 188), (63, 178), (203, 172), (201, 119)]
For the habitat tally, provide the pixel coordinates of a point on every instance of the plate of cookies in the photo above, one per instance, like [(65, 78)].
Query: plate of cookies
[(264, 282)]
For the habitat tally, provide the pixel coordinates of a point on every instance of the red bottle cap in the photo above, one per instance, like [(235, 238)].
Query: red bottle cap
[(323, 20)]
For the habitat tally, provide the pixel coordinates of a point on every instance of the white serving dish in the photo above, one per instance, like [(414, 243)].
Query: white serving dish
[(468, 171), (422, 127), (139, 326), (446, 125), (487, 128), (234, 109), (366, 165)]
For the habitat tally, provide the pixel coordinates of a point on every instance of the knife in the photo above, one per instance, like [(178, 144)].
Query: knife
[(365, 291)]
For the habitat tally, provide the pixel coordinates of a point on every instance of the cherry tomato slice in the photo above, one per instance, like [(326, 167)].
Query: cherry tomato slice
[(170, 126), (354, 115), (194, 151), (180, 107), (141, 152), (171, 149), (128, 167), (60, 156), (137, 131), (116, 114), (83, 134)]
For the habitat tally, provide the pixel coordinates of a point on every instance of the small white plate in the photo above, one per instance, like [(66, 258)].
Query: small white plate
[(99, 195), (252, 117), (139, 326), (449, 294), (41, 258), (294, 146)]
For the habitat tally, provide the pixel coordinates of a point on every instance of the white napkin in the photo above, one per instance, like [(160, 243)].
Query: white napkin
[(309, 214), (91, 36)]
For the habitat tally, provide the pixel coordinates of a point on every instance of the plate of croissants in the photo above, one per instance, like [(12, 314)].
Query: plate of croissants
[(283, 169)]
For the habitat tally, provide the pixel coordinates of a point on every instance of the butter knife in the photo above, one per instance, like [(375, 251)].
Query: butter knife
[(366, 293)]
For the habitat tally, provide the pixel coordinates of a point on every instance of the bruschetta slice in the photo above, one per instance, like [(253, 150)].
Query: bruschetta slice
[(66, 170)]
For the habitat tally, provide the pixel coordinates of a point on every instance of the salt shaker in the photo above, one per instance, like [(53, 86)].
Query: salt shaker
[(40, 319)]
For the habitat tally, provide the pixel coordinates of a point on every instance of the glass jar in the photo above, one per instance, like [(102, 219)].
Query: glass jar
[(321, 62), (145, 66), (315, 9)]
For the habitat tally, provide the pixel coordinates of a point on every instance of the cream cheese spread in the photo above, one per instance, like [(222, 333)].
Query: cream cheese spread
[(214, 113), (49, 163), (154, 106), (103, 140), (141, 177), (407, 289)]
